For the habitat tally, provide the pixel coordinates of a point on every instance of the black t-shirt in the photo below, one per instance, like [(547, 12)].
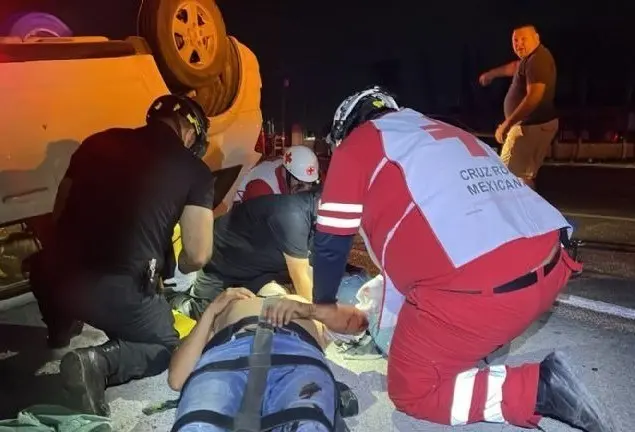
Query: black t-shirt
[(537, 67), (128, 191), (250, 240)]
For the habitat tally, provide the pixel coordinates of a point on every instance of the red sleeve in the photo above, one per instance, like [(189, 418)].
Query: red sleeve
[(342, 202), (256, 188)]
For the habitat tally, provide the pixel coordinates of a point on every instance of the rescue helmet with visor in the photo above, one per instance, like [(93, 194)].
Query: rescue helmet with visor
[(169, 106), (357, 109)]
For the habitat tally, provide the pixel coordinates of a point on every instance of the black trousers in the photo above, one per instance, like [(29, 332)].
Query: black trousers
[(143, 325)]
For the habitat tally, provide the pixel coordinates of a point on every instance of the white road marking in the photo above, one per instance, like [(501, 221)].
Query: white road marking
[(593, 165), (597, 306), (600, 216)]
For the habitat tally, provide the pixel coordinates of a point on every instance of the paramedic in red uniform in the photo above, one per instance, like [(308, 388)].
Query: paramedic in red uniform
[(295, 171), (470, 257)]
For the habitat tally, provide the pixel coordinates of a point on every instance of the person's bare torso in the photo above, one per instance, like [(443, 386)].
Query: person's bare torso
[(240, 309)]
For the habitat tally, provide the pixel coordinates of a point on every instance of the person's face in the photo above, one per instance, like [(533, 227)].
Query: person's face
[(296, 185), (188, 135), (524, 41)]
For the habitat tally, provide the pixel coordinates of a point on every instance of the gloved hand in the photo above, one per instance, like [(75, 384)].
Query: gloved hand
[(370, 294)]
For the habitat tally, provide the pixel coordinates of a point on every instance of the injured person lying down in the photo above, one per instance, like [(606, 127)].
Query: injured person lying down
[(256, 363)]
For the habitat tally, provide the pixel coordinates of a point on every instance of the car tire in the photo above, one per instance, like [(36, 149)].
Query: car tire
[(157, 22), (218, 95), (230, 77), (37, 24), (208, 96)]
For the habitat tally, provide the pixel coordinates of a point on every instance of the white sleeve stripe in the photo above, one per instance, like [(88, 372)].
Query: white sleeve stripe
[(340, 207), (493, 412), (338, 222), (462, 400)]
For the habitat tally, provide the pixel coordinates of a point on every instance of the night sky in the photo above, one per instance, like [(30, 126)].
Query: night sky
[(429, 53)]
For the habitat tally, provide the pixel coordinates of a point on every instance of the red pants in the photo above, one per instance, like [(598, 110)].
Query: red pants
[(438, 342)]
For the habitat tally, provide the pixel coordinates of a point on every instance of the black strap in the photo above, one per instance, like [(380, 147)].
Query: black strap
[(528, 279), (269, 422), (249, 416)]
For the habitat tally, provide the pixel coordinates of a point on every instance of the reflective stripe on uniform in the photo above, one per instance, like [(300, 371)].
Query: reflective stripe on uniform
[(464, 393)]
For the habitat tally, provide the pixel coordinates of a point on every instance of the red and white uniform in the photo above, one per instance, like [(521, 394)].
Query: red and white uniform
[(446, 223), (266, 178)]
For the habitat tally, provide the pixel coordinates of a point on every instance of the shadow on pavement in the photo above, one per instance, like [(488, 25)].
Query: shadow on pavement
[(28, 373)]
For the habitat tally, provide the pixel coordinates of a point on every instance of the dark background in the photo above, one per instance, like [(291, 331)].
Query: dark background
[(429, 53)]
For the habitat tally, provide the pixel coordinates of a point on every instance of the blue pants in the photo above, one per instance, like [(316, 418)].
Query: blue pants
[(223, 391)]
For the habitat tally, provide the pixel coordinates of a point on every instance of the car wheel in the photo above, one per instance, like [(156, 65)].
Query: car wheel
[(38, 24), (230, 77), (217, 96), (187, 38), (208, 97)]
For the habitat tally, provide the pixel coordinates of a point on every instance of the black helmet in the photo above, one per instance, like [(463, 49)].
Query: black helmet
[(358, 108), (190, 110)]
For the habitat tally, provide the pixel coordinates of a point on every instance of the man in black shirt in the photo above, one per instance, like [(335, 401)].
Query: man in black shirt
[(114, 215), (531, 122), (264, 239)]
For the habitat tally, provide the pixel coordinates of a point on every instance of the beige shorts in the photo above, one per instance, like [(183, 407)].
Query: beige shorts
[(526, 147)]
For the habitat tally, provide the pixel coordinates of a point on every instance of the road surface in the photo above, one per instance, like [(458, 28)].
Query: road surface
[(601, 349)]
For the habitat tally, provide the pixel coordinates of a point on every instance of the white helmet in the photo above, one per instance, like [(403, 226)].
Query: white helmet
[(356, 109), (302, 163)]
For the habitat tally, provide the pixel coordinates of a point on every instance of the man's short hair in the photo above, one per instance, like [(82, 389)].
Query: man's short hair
[(525, 25)]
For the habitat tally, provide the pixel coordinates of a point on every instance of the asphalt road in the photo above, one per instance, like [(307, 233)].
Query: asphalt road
[(600, 200), (29, 374)]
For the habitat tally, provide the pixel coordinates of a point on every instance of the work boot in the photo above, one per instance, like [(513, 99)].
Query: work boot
[(58, 339), (563, 397), (85, 373)]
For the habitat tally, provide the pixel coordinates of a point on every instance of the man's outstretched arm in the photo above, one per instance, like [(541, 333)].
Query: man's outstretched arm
[(187, 354), (339, 318), (345, 319)]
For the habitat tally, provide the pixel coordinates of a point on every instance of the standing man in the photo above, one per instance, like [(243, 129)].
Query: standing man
[(295, 171), (261, 240), (531, 122), (115, 211), (470, 258)]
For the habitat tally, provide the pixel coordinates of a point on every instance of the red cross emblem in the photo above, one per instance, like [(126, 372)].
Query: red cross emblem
[(440, 131), (287, 158), (310, 170)]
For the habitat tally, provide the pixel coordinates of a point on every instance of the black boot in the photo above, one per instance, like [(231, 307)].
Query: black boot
[(58, 338), (563, 397), (85, 373)]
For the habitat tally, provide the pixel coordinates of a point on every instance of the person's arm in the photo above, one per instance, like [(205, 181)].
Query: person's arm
[(340, 212), (339, 318), (79, 161), (291, 230), (197, 224), (299, 271), (538, 72), (188, 353), (329, 264), (197, 229), (344, 319), (506, 70)]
